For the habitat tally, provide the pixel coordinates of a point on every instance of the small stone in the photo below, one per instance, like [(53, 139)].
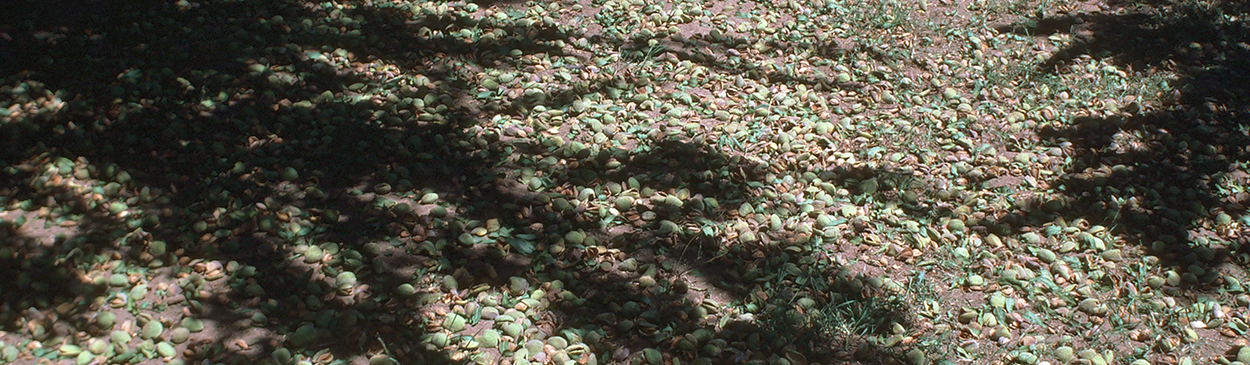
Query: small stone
[(490, 84), (1026, 358), (1001, 332), (165, 349), (1092, 306), (106, 320), (512, 329), (282, 356), (653, 356), (259, 319), (313, 254), (518, 285), (1023, 157), (84, 358), (1092, 356), (454, 322), (628, 265), (955, 225), (534, 346), (120, 337), (558, 342), (575, 237), (179, 335), (10, 353), (868, 187), (381, 359), (998, 300), (440, 339), (345, 279), (118, 280), (303, 335), (950, 94), (193, 324), (488, 338), (1046, 255), (406, 290), (97, 346), (915, 357), (489, 313), (1064, 353), (289, 174), (68, 350), (152, 329), (157, 248)]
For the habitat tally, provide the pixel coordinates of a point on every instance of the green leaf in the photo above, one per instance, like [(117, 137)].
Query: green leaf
[(521, 246), (502, 232)]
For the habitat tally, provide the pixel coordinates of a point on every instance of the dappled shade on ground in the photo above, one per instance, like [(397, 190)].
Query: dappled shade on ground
[(1167, 176), (304, 180), (623, 182)]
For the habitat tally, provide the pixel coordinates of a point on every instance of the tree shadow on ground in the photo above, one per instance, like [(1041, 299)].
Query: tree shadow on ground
[(1172, 177), (42, 276), (261, 161)]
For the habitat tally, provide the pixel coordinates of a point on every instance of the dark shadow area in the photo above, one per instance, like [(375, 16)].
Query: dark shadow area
[(1048, 25), (306, 197), (1170, 177), (42, 253), (42, 277)]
